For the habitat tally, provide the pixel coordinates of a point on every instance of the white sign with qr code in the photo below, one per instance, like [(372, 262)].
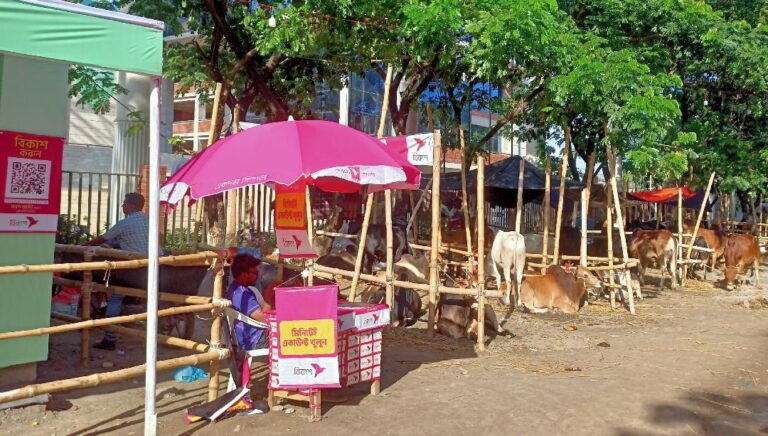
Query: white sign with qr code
[(28, 179)]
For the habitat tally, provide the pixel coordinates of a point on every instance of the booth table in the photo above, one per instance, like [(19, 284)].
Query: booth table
[(359, 345)]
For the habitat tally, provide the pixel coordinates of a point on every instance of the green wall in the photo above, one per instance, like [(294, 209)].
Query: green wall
[(33, 99)]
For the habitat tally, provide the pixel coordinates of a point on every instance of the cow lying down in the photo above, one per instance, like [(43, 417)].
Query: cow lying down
[(457, 317), (559, 289)]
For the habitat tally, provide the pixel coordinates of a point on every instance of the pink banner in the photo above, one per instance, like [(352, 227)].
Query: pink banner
[(30, 185), (291, 223), (307, 336)]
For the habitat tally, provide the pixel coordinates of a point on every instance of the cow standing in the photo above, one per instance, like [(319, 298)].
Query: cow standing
[(741, 251), (714, 238), (560, 289), (655, 247), (508, 253)]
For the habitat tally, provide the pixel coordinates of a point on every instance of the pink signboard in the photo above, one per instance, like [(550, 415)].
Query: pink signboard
[(30, 182), (307, 337), (291, 223)]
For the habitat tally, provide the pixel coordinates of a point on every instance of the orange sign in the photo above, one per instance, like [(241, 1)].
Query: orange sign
[(290, 210)]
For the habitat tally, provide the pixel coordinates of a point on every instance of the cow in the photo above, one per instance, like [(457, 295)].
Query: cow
[(740, 252), (407, 307), (715, 240), (655, 247), (507, 253), (457, 317), (559, 289)]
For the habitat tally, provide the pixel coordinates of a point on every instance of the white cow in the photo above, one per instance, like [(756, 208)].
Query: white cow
[(508, 253)]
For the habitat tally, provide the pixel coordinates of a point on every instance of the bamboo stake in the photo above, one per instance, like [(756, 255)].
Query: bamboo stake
[(218, 292), (480, 224), (93, 380), (698, 223), (104, 264), (311, 233), (163, 339), (561, 195), (132, 292), (620, 220), (433, 272), (520, 190), (212, 134), (94, 323), (609, 221), (361, 248), (85, 291), (547, 211), (233, 196)]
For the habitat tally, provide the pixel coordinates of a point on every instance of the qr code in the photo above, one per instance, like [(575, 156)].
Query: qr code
[(28, 179)]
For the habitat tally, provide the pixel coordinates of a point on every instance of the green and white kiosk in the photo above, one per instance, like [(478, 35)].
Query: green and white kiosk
[(39, 40)]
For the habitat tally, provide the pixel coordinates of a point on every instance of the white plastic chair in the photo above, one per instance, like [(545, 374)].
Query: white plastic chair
[(233, 315)]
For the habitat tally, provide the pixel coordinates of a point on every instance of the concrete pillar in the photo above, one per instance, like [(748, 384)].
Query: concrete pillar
[(196, 125), (130, 151), (33, 99), (344, 106)]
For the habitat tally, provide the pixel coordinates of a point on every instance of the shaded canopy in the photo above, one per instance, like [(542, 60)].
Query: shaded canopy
[(501, 179)]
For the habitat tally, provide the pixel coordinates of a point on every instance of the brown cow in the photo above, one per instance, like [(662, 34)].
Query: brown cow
[(715, 239), (740, 251), (558, 289), (457, 317), (655, 247)]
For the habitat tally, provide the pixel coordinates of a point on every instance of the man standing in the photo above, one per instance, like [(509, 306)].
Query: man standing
[(130, 234), (245, 271)]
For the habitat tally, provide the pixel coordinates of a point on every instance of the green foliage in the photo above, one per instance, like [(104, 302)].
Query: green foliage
[(69, 231), (93, 88)]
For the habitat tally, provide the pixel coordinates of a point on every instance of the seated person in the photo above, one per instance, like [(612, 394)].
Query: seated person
[(245, 271)]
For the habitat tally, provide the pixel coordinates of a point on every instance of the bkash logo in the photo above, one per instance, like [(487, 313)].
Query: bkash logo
[(28, 223), (318, 369)]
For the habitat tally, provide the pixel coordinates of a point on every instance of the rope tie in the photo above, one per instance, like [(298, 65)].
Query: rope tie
[(220, 303)]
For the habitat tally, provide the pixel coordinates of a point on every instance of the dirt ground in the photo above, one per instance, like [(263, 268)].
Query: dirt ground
[(692, 361)]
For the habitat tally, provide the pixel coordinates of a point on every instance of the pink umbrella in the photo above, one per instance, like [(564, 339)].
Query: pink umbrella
[(330, 156)]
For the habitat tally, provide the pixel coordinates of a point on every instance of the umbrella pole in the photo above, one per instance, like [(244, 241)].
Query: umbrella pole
[(547, 213), (311, 233)]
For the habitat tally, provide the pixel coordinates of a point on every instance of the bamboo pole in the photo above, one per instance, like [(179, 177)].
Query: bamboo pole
[(679, 251), (361, 248), (218, 292), (583, 225), (311, 234), (132, 292), (585, 207), (103, 265), (547, 211), (389, 289), (433, 255), (94, 323), (85, 290), (163, 339), (330, 272), (561, 195), (480, 224), (609, 234), (98, 251), (696, 227), (520, 190), (620, 220), (464, 193), (212, 134), (93, 380)]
